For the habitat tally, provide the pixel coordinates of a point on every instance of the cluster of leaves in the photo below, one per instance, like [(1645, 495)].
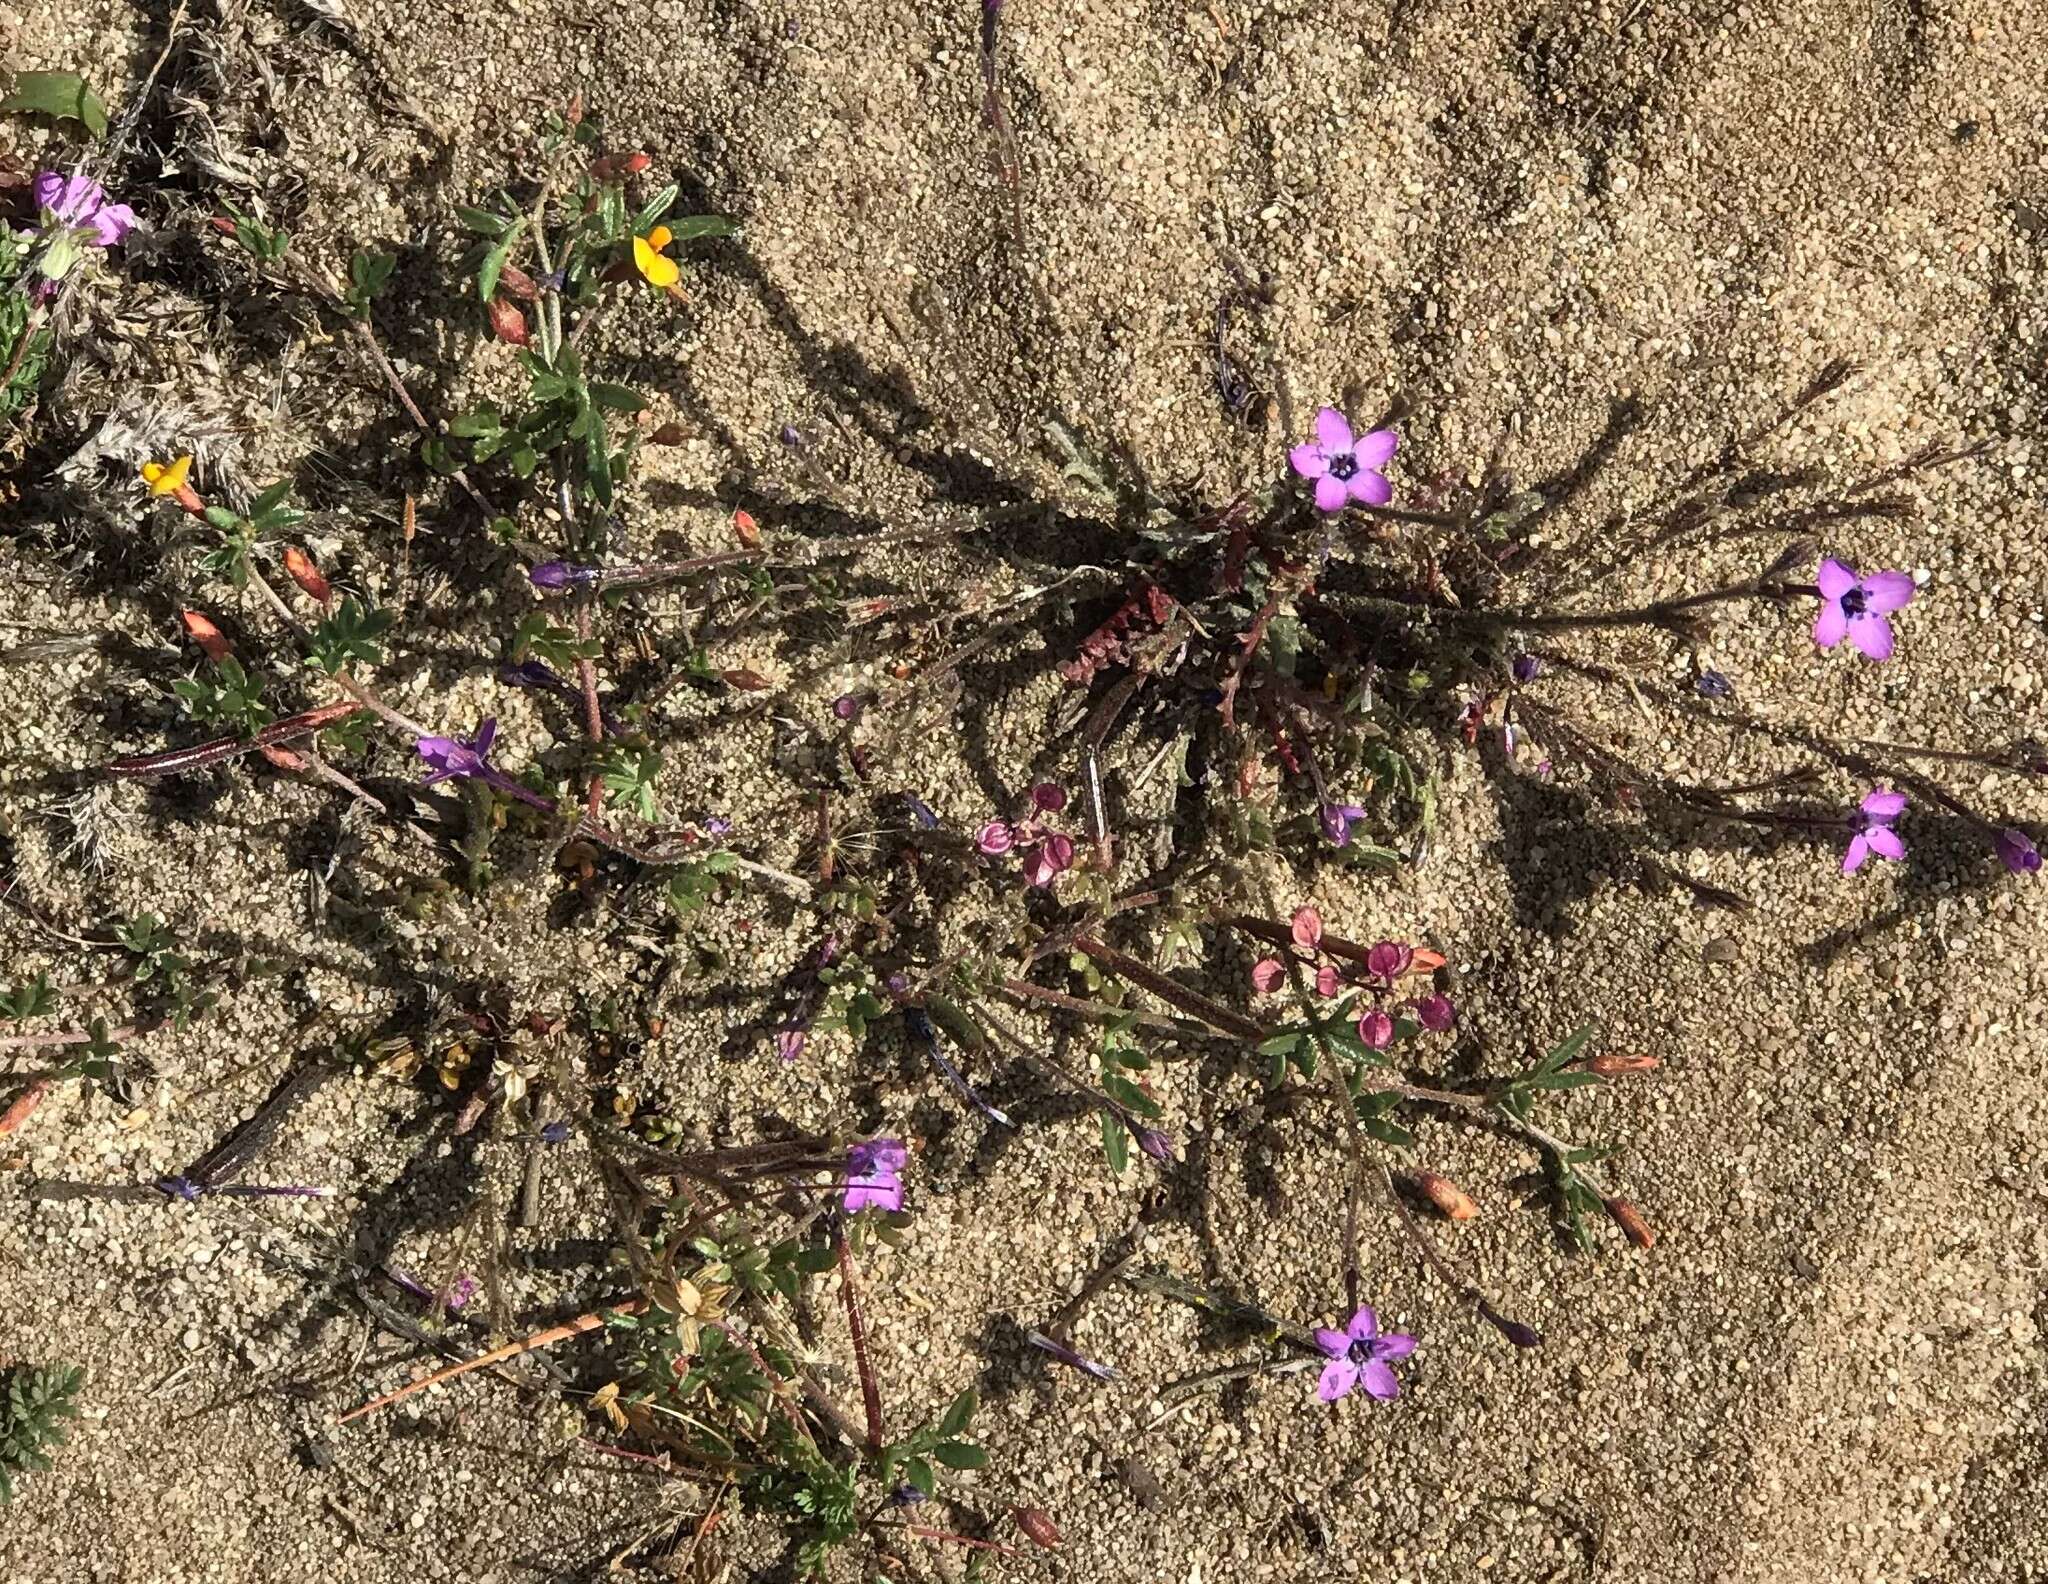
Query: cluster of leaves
[(1117, 1056), (159, 965), (270, 512), (16, 318), (1578, 1200), (226, 694), (34, 1402), (37, 998)]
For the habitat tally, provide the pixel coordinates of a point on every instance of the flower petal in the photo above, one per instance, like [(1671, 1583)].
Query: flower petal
[(1396, 1344), (1859, 850), (1333, 430), (1884, 841), (1884, 805), (1337, 1379), (1364, 1324), (1267, 974), (658, 271), (1370, 489), (1871, 634), (1335, 1343), (1380, 1381), (1331, 494), (1308, 460), (1835, 579), (1374, 449), (47, 187), (1888, 591), (1831, 626)]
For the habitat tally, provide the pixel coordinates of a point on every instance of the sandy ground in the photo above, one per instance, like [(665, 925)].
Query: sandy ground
[(1509, 214)]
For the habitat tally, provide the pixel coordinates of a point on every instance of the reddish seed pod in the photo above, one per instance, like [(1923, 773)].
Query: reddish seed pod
[(200, 629), (515, 282), (1037, 1523), (669, 434), (508, 324), (223, 225), (615, 167), (283, 758), (1615, 1065), (306, 574), (747, 681), (1630, 1220), (1447, 1196), (748, 531)]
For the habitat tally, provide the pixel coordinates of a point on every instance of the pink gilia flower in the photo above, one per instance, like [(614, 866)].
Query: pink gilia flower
[(80, 203), (1856, 608), (1872, 824), (1346, 468), (1358, 1355), (871, 1180)]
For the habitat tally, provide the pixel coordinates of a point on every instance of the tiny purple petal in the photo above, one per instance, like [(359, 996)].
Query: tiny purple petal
[(790, 1043), (1526, 668), (1363, 1325), (1337, 1379), (1859, 851), (1308, 460), (1884, 805), (1333, 430), (1156, 1145), (1333, 1343), (1331, 493), (1395, 1345), (1831, 625), (2016, 851), (1370, 489), (1884, 841), (1374, 450)]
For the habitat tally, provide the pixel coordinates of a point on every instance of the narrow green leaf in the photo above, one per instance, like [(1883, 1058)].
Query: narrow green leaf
[(960, 1455), (959, 1414), (494, 261), (1116, 1143), (688, 228)]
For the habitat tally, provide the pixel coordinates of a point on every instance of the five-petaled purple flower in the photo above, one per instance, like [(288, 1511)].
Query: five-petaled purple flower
[(1872, 823), (447, 757), (871, 1180), (1856, 608), (1358, 1354), (1346, 467), (2016, 851), (1337, 820)]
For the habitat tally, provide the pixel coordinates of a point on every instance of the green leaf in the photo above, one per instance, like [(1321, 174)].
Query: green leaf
[(482, 221), (1116, 1143), (959, 1027), (919, 1473), (220, 517), (1279, 1044), (475, 424), (1566, 1051), (62, 95), (959, 1415), (494, 262), (618, 398), (689, 228), (657, 206), (960, 1455)]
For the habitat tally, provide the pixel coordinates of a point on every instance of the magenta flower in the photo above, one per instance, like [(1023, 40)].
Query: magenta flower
[(1359, 1353), (1267, 973), (80, 204), (1872, 824), (1389, 960), (1436, 1013), (1049, 797), (2015, 851), (995, 838), (1337, 819), (871, 1180), (1376, 1029), (1856, 608), (447, 757), (1345, 467), (1049, 860)]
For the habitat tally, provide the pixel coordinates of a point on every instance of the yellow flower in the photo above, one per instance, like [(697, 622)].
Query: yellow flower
[(164, 480), (659, 272)]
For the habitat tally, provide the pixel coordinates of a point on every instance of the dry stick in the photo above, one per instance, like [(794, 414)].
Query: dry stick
[(498, 1355), (870, 1390), (1101, 1011), (126, 1031)]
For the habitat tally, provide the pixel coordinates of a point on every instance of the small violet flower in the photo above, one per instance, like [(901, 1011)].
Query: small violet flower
[(557, 575), (846, 707), (1855, 608), (1714, 684), (995, 838), (447, 757), (871, 1180), (1337, 819), (1872, 824), (1526, 668), (76, 216), (2016, 852), (1359, 1354), (1435, 1013), (790, 1043), (1345, 467)]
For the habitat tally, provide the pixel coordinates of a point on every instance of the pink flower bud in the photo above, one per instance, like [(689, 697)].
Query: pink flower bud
[(1049, 797), (1307, 928), (1267, 974), (1376, 1029), (995, 838)]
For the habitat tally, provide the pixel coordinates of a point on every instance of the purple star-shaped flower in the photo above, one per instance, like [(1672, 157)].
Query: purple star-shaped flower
[(1872, 824), (1346, 467), (1358, 1354), (81, 203), (2016, 851), (447, 757), (1855, 608), (871, 1180)]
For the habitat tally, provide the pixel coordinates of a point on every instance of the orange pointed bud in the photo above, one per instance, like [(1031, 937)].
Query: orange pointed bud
[(747, 529), (306, 574), (1630, 1220), (1447, 1196), (508, 324), (213, 643), (1037, 1523), (515, 282), (283, 758), (1426, 961), (1613, 1064)]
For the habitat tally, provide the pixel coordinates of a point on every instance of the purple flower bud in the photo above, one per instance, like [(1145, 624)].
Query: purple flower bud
[(995, 838), (1712, 684), (557, 575), (1068, 1357), (897, 984), (554, 1133), (1049, 797), (792, 436), (920, 811), (2016, 851), (715, 825), (1436, 1013), (1526, 668), (1337, 819), (790, 1043), (1520, 1335), (847, 707), (460, 1291), (905, 1496), (1155, 1144)]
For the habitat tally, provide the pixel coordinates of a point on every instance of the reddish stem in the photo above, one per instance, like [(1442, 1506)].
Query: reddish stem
[(870, 1390)]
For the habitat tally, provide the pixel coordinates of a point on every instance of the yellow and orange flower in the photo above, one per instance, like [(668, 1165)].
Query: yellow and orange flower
[(656, 268), (166, 479)]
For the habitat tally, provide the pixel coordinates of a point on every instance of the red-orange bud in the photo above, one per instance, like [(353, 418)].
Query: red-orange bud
[(1037, 1523), (1615, 1065), (747, 529), (1446, 1195), (508, 324), (1630, 1220), (200, 629), (615, 167), (515, 282), (306, 574)]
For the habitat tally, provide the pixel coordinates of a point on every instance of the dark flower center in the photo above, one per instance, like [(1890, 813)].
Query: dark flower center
[(1362, 1350), (1343, 465), (1855, 602)]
